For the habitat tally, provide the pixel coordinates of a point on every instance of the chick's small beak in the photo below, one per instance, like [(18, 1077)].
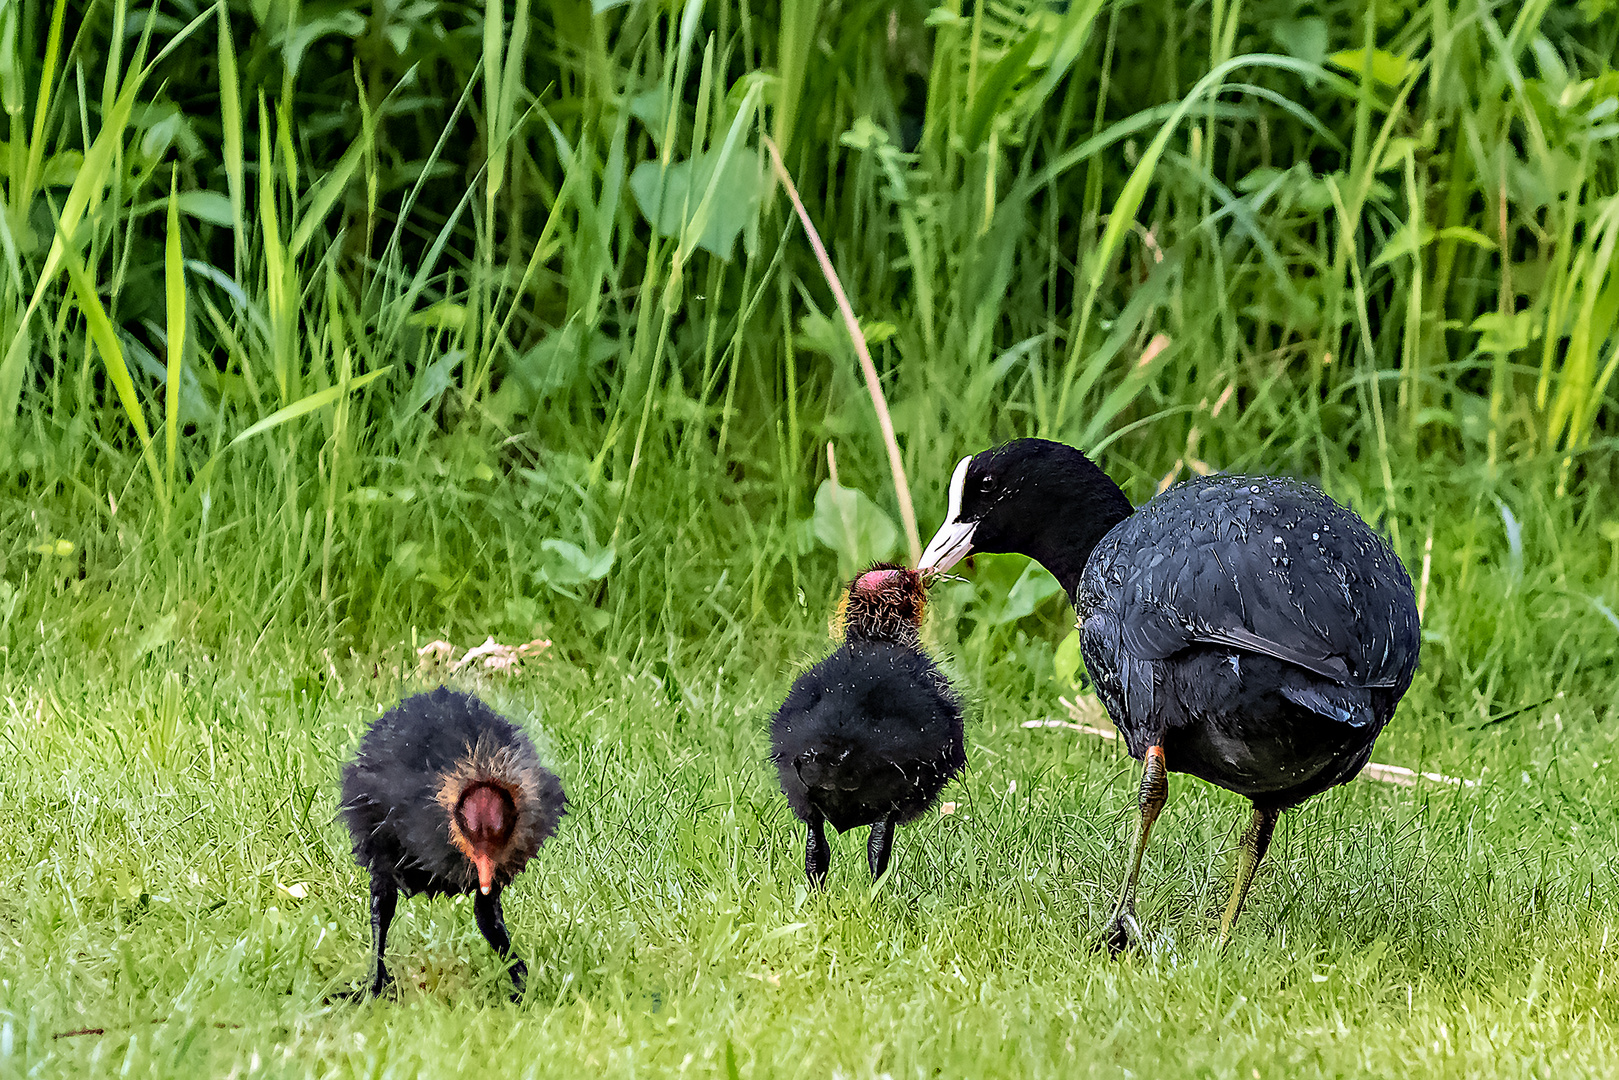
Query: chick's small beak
[(949, 545), (486, 870)]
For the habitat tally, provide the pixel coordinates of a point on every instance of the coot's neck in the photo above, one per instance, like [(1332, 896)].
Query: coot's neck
[(1070, 528)]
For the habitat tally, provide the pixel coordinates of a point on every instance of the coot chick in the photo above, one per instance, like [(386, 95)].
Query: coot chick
[(1246, 630), (443, 796), (871, 734)]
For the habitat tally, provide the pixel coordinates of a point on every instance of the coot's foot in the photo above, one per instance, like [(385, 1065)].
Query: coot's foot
[(879, 844), (381, 986), (519, 973), (817, 853), (1122, 935)]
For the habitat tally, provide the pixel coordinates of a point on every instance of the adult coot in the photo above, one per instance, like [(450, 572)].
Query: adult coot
[(871, 734), (445, 795), (1247, 630)]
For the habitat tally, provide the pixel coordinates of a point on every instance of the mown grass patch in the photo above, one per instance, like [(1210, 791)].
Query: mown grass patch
[(327, 332), (175, 879)]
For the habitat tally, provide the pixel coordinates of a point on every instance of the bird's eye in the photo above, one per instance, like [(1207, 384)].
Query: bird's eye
[(986, 483)]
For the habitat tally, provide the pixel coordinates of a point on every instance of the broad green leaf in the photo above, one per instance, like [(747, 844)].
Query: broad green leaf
[(158, 633), (564, 564), (1552, 69), (1304, 39), (731, 149), (1405, 241), (306, 31), (738, 193), (993, 91), (159, 129), (651, 108), (562, 359), (209, 206), (1003, 589), (1068, 662), (1032, 588), (62, 169), (829, 337), (1502, 333), (1387, 68), (848, 522), (429, 382), (415, 561)]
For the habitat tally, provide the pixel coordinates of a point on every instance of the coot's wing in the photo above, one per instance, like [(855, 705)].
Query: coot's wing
[(1262, 565)]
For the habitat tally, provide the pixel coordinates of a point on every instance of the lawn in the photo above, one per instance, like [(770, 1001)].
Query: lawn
[(328, 331), (179, 897)]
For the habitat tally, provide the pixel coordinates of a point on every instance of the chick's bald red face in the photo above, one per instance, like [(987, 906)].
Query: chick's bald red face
[(886, 581), (873, 580), (485, 819)]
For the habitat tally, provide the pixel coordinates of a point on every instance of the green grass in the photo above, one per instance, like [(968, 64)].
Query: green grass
[(164, 794), (450, 319)]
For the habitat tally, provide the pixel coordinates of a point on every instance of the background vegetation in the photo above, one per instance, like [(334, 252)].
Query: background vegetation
[(332, 328)]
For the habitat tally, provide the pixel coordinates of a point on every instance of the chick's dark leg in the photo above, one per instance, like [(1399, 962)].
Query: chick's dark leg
[(1123, 931), (817, 852), (1255, 839), (384, 898), (492, 922), (879, 844)]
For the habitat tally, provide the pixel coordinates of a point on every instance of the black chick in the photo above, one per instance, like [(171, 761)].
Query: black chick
[(871, 734), (1247, 630), (445, 795)]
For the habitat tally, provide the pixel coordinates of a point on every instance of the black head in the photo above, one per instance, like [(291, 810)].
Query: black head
[(1038, 498)]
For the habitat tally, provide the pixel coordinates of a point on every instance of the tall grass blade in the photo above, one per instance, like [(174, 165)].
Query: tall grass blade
[(174, 289), (1125, 207), (230, 124), (112, 356)]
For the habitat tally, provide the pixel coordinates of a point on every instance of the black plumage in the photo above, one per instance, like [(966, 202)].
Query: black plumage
[(1283, 628), (445, 795), (871, 734), (1246, 630)]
